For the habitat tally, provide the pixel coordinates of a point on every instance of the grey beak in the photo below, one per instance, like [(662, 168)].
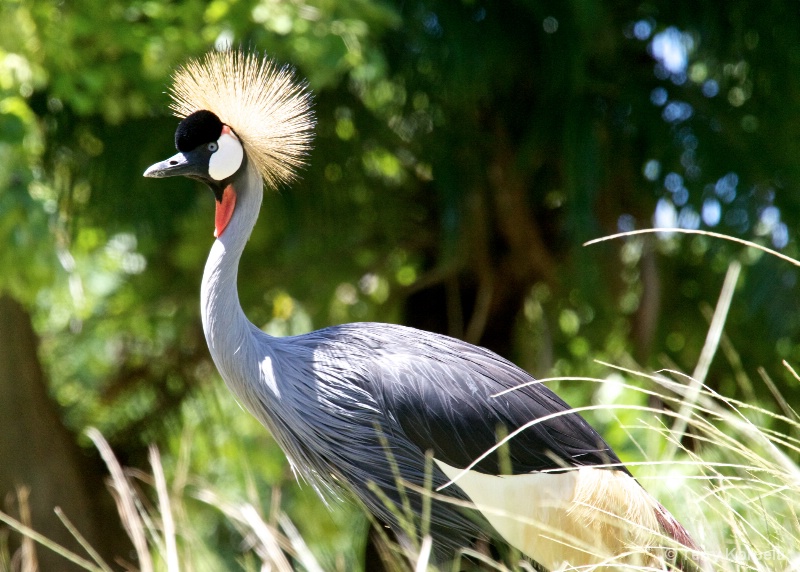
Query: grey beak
[(186, 164)]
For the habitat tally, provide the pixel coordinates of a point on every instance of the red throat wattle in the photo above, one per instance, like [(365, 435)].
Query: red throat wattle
[(224, 210)]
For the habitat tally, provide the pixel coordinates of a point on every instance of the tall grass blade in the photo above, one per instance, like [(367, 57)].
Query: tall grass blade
[(165, 510), (126, 501)]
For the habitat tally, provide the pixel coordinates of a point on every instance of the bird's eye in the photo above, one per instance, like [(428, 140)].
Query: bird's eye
[(213, 146)]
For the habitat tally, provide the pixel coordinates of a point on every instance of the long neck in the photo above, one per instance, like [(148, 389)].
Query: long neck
[(228, 332)]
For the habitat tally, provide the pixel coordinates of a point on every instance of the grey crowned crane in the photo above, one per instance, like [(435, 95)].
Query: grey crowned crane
[(356, 407)]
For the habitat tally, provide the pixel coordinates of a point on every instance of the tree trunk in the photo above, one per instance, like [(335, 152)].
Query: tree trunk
[(38, 453)]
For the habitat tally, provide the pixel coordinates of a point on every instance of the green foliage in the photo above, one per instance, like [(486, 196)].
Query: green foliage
[(465, 150)]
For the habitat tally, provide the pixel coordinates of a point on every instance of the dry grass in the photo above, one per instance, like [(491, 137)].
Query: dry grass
[(737, 490)]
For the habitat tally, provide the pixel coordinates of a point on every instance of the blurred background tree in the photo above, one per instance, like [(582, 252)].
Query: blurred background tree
[(465, 151)]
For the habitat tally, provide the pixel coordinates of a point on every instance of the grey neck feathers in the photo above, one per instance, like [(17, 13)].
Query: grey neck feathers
[(242, 353), (228, 332)]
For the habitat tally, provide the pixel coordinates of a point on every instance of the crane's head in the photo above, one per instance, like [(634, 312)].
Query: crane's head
[(237, 108)]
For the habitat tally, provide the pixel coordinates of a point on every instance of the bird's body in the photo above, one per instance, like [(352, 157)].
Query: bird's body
[(357, 406)]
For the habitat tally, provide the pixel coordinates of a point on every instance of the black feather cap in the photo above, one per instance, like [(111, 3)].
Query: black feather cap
[(200, 127)]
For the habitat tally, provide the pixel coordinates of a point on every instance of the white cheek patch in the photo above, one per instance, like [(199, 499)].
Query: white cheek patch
[(227, 159)]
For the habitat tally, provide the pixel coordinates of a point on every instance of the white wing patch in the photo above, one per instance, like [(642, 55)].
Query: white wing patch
[(268, 376), (227, 159), (584, 517)]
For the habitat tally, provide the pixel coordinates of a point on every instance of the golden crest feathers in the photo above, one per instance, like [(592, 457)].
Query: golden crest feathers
[(268, 109)]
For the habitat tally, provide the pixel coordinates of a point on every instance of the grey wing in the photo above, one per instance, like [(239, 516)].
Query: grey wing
[(431, 392), (340, 431), (442, 394)]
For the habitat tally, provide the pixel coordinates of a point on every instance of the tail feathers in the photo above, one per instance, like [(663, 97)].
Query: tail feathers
[(588, 518), (688, 560), (673, 529), (632, 524)]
